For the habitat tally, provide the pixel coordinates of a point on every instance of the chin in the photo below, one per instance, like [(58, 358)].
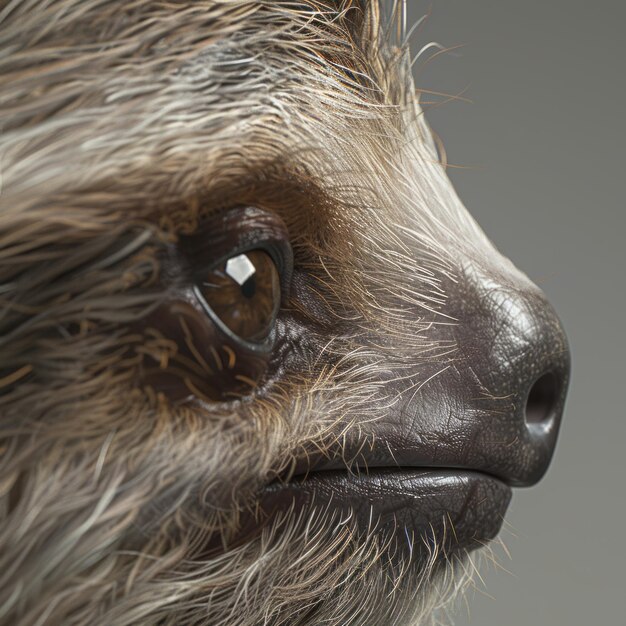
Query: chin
[(258, 364)]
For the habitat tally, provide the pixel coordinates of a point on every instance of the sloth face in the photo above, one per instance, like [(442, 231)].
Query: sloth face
[(258, 364)]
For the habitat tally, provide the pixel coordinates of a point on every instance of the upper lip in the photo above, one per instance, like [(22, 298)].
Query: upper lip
[(371, 459), (361, 470), (452, 427)]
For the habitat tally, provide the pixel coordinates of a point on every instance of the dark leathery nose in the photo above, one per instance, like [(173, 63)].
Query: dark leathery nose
[(516, 348)]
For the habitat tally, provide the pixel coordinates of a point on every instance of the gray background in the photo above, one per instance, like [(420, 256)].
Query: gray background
[(544, 138)]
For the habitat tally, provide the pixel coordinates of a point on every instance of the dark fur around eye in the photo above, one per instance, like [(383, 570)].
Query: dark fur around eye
[(227, 282)]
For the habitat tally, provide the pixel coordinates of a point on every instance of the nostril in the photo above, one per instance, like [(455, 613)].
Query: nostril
[(542, 399)]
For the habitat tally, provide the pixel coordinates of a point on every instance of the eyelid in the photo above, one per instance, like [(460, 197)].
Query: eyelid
[(237, 231)]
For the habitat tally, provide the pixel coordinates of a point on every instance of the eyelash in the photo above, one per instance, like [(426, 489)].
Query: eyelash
[(234, 232)]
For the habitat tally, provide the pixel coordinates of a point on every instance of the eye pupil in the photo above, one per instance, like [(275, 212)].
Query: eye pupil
[(244, 294), (248, 289)]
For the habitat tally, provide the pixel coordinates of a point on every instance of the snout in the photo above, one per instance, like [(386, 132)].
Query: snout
[(462, 429), (495, 406)]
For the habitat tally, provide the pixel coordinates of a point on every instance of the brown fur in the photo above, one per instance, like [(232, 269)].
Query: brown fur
[(125, 125)]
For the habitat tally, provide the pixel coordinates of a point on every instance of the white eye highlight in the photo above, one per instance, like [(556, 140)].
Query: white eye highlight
[(239, 268)]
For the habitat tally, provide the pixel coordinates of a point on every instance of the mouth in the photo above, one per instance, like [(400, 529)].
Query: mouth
[(452, 509)]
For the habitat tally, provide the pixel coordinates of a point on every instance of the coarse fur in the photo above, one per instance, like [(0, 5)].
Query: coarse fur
[(125, 125)]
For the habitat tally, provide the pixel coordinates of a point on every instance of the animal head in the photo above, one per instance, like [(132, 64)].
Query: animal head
[(258, 364)]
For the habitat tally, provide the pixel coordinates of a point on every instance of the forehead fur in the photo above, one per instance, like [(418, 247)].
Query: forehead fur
[(124, 92), (153, 107)]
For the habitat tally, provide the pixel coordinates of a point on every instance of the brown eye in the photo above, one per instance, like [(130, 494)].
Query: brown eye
[(243, 293)]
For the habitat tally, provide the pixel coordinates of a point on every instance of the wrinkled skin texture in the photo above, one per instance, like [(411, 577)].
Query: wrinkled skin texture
[(154, 470)]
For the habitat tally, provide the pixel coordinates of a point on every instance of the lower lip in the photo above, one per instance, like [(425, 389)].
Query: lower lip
[(457, 509)]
